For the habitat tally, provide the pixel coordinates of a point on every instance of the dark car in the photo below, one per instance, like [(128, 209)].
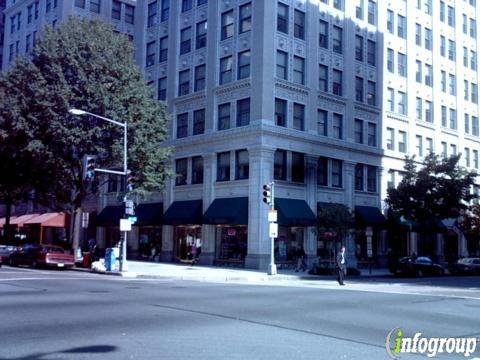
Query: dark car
[(35, 255), (466, 266), (5, 251), (419, 266)]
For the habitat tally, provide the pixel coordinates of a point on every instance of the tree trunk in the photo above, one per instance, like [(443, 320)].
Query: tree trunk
[(7, 233)]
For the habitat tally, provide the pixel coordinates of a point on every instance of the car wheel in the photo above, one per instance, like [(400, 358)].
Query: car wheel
[(34, 264), (419, 273), (12, 262)]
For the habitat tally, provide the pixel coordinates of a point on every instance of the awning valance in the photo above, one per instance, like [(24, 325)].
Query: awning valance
[(20, 220), (294, 212), (184, 213), (369, 216), (110, 215), (149, 214), (227, 211), (54, 219), (3, 220)]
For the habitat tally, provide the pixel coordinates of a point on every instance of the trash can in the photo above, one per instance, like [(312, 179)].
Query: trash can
[(87, 260), (110, 259)]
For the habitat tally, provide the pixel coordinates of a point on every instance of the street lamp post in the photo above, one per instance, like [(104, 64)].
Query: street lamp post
[(123, 255)]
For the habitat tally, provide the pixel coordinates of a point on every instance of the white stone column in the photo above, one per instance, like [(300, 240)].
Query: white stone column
[(208, 231), (310, 235), (167, 252), (261, 172)]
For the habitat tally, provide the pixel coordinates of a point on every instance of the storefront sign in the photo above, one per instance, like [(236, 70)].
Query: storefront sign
[(231, 232)]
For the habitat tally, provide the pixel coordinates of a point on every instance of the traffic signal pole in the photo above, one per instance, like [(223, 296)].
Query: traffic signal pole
[(269, 199)]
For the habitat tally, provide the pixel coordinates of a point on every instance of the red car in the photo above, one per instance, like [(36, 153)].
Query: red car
[(42, 255)]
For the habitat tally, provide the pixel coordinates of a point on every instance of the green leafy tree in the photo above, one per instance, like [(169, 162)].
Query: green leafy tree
[(335, 221), (440, 189), (82, 64)]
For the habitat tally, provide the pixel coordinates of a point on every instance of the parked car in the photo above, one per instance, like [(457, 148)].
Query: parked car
[(418, 266), (35, 255), (5, 251), (467, 266)]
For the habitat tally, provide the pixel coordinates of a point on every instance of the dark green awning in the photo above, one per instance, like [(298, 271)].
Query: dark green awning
[(369, 216), (227, 211), (110, 215), (149, 214), (293, 212), (184, 213)]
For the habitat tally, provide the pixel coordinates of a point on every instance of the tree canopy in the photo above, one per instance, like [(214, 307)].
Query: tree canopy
[(440, 189), (334, 220), (81, 64)]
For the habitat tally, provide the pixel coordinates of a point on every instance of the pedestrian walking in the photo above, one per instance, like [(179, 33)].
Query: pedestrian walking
[(341, 266), (301, 262)]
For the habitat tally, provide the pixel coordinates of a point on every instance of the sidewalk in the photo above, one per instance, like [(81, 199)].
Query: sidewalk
[(152, 270)]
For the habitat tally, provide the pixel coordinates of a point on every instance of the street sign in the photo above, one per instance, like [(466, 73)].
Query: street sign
[(133, 219), (129, 207), (85, 218), (272, 215), (125, 225), (273, 230)]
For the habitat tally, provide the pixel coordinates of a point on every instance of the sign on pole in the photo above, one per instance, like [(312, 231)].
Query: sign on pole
[(272, 215), (85, 218), (125, 225), (273, 230)]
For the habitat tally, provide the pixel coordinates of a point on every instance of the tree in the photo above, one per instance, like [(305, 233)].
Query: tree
[(82, 64), (334, 221), (440, 189)]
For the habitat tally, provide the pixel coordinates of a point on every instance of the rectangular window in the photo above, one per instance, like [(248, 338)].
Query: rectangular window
[(323, 78), (428, 75), (390, 21), (198, 122), (323, 34), (338, 4), (298, 167), (358, 47), (337, 173), (337, 126), (402, 141), (181, 171), (442, 11), (418, 71), (390, 139), (197, 170), (474, 93), (359, 131), (452, 86), (467, 157), (418, 34), (201, 35), (443, 80), (402, 103), (282, 61), (162, 89), (419, 145), (282, 18), (29, 14), (298, 116), (429, 147), (390, 99), (163, 54), (466, 125), (299, 70), (299, 24), (371, 93), (371, 178), (358, 88), (444, 150), (241, 164), (443, 45), (402, 64), (475, 125), (150, 57), (280, 165), (372, 134), (464, 24), (129, 14), (475, 159), (182, 125), (418, 108), (80, 3), (453, 119), (186, 5), (473, 60), (199, 77), (371, 52), (223, 166), (184, 82), (451, 16), (95, 6), (152, 14), (428, 39), (444, 115), (227, 24), (451, 50), (243, 65), (245, 18), (116, 9), (185, 40), (465, 56), (280, 112), (390, 60), (322, 122), (473, 28), (401, 26), (322, 171), (226, 65), (372, 12), (453, 149), (224, 116), (337, 82), (243, 112), (165, 10), (337, 39), (428, 111), (359, 177)]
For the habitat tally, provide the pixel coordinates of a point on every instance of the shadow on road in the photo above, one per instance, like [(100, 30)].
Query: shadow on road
[(94, 349)]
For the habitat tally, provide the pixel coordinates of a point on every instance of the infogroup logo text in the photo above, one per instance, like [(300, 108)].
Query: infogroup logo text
[(397, 343)]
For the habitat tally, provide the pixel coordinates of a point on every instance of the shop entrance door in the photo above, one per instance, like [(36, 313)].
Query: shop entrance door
[(185, 238)]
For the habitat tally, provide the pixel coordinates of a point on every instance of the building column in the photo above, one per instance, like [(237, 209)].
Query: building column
[(261, 172), (208, 231), (167, 252), (310, 234), (440, 247)]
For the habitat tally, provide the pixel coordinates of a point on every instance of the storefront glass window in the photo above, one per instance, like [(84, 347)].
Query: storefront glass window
[(231, 243)]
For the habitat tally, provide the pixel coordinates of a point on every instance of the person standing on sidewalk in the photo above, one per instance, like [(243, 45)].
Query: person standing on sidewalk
[(341, 266)]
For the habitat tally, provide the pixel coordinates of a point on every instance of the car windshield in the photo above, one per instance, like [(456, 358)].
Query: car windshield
[(52, 249), (423, 260)]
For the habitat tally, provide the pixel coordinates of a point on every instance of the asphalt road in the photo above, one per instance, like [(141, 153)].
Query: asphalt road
[(48, 314)]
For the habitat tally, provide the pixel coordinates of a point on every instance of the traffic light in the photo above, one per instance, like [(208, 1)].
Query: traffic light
[(89, 168), (130, 180), (267, 194)]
